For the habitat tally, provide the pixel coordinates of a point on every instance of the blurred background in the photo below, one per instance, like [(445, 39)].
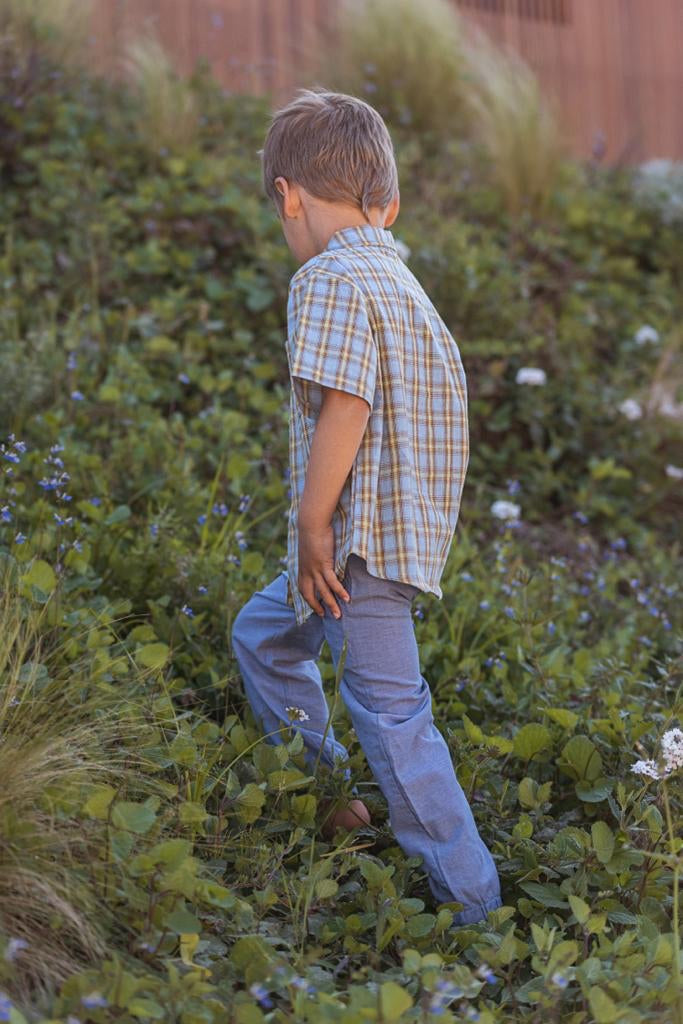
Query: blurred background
[(612, 67), (155, 854)]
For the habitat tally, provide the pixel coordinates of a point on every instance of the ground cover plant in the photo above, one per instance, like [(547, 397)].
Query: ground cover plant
[(160, 859)]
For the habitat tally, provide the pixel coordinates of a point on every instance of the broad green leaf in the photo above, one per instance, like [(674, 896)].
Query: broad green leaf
[(139, 1006), (603, 1008), (580, 759), (395, 1000), (472, 731), (41, 575), (97, 804), (531, 739), (603, 841), (549, 895), (153, 655), (182, 922), (567, 719), (133, 817), (580, 908), (326, 888), (191, 813)]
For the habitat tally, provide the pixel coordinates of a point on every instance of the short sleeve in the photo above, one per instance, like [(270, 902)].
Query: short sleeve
[(330, 340)]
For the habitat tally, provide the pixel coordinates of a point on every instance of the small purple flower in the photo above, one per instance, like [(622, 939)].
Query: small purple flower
[(95, 501), (245, 501), (581, 516), (5, 514), (77, 396), (71, 361), (153, 529), (419, 614), (584, 589), (260, 993), (619, 544), (94, 1000), (485, 604), (202, 589), (20, 538), (467, 576), (183, 378), (5, 1006), (201, 519), (186, 610), (510, 612)]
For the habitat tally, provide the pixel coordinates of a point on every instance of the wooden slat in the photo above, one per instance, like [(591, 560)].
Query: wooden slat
[(613, 66)]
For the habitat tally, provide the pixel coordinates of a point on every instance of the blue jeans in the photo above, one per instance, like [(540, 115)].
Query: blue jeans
[(389, 703)]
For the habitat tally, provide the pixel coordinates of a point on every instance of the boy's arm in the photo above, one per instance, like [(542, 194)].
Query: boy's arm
[(339, 431)]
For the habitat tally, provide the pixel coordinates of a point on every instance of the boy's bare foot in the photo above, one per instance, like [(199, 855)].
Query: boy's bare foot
[(347, 816)]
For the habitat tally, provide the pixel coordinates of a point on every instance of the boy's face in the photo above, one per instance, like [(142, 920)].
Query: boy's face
[(308, 223)]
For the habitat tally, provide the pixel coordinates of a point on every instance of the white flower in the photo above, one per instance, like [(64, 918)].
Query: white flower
[(502, 509), (403, 250), (675, 472), (646, 333), (646, 768), (672, 757), (530, 375), (297, 714), (672, 749), (631, 409)]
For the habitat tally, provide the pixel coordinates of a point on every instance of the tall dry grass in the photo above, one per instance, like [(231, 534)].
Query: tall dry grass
[(53, 746), (517, 126), (430, 70), (165, 110), (56, 30), (406, 58)]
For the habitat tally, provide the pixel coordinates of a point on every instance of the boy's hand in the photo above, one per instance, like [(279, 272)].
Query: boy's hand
[(316, 570)]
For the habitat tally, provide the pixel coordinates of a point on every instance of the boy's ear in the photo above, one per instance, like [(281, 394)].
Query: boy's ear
[(392, 210), (291, 200)]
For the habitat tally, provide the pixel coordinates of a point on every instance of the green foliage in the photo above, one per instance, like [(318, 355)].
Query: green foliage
[(184, 874)]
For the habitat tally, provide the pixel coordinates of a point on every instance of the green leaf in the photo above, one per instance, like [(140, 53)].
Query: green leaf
[(603, 1008), (118, 515), (548, 895), (97, 804), (580, 908), (567, 719), (132, 817), (603, 841), (420, 925), (191, 813), (41, 575), (394, 1000), (182, 922), (141, 1007), (594, 792), (326, 888), (531, 739), (153, 655), (580, 759)]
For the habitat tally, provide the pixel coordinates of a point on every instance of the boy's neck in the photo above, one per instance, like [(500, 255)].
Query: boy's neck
[(326, 222)]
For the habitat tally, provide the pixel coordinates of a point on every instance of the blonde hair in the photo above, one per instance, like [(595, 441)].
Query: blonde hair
[(336, 146)]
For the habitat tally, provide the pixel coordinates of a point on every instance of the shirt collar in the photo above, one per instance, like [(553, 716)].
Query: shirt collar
[(361, 234)]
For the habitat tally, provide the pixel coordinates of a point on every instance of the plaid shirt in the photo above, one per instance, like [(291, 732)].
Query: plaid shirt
[(359, 321)]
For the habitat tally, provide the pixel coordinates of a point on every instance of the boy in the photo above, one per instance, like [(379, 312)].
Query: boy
[(379, 447)]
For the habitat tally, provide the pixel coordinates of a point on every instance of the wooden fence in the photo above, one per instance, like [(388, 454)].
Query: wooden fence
[(613, 66)]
